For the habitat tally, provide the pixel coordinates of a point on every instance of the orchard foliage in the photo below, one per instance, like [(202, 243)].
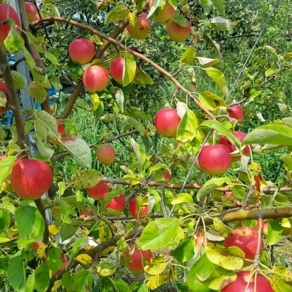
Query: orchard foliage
[(213, 222)]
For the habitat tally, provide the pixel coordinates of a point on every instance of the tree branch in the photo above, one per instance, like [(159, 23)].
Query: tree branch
[(272, 77), (249, 195), (258, 254), (42, 210)]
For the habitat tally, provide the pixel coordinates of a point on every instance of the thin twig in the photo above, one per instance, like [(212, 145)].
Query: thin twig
[(249, 195), (272, 77), (258, 254), (177, 72)]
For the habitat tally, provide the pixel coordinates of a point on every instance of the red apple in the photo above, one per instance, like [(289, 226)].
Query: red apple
[(246, 239), (4, 29), (98, 191), (81, 51), (166, 122), (89, 214), (215, 159), (61, 128), (31, 178), (3, 156), (165, 15), (37, 17), (31, 11), (65, 261), (177, 32), (35, 246), (3, 88), (142, 29), (201, 239), (133, 209), (236, 112), (136, 266), (227, 194), (240, 136), (117, 70), (265, 228), (106, 155), (167, 176), (95, 78), (242, 280), (117, 204)]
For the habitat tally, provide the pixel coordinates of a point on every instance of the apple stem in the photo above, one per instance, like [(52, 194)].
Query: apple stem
[(257, 255)]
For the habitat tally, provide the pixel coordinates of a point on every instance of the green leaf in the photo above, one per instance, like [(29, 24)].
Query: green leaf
[(83, 281), (280, 96), (254, 91), (188, 56), (142, 78), (129, 69), (37, 92), (29, 221), (4, 220), (40, 78), (137, 114), (106, 269), (52, 58), (197, 286), (56, 82), (118, 13), (38, 42), (19, 81), (6, 167), (220, 5), (139, 152), (274, 231), (222, 24), (211, 185), (30, 283), (216, 51), (207, 61), (54, 260), (120, 285), (272, 51), (156, 167), (140, 5), (120, 99), (42, 277), (186, 251), (179, 19), (16, 273), (182, 198), (221, 228), (86, 179), (207, 5), (219, 79), (14, 42), (155, 8), (111, 195), (229, 258), (187, 128), (278, 285), (212, 101), (159, 233), (29, 59), (67, 231), (270, 72)]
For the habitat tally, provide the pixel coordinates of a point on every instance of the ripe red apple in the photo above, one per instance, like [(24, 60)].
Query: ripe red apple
[(215, 159), (227, 194), (242, 280), (201, 239), (177, 32), (117, 70), (37, 17), (95, 78), (142, 29), (89, 214), (236, 112), (165, 15), (4, 29), (166, 122), (106, 155), (81, 51), (265, 228), (246, 239), (98, 191), (136, 266), (31, 11), (61, 130), (3, 88), (35, 246), (167, 176), (133, 209), (31, 178), (240, 136), (117, 204), (65, 261)]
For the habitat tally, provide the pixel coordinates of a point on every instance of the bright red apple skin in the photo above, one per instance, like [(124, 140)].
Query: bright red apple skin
[(227, 194), (117, 204), (81, 51), (133, 209), (61, 128), (165, 15), (167, 176), (4, 29), (31, 178), (117, 69), (236, 112), (215, 159), (246, 239), (177, 32), (239, 285), (89, 214), (65, 261), (95, 78), (3, 88), (31, 11), (166, 122), (35, 246), (201, 239), (265, 228), (136, 266), (106, 155), (98, 191), (37, 17), (142, 29), (240, 136)]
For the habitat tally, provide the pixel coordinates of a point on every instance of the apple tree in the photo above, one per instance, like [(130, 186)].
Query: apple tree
[(185, 201)]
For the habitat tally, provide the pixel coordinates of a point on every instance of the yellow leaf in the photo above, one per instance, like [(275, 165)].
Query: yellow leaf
[(186, 9), (155, 281), (104, 235), (41, 252), (13, 232), (133, 19), (95, 101), (157, 266), (53, 229), (57, 285), (88, 247), (54, 109), (96, 39), (84, 259), (79, 196)]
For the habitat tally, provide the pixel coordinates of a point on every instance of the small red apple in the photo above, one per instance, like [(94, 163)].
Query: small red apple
[(31, 178), (265, 228), (89, 214), (201, 239), (117, 70), (35, 246), (61, 130), (37, 17), (136, 266), (117, 204), (177, 32), (3, 88), (242, 280), (246, 239), (142, 29), (166, 122), (65, 261), (236, 112), (133, 209), (31, 11), (106, 155), (81, 51), (98, 191), (167, 176), (4, 29), (215, 159), (165, 15), (95, 78)]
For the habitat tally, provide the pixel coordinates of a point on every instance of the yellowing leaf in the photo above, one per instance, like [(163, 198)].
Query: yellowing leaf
[(96, 39), (105, 269), (41, 252), (56, 212), (155, 281), (133, 19), (84, 259), (189, 55), (53, 229), (95, 101), (57, 285), (157, 266), (88, 247), (105, 234)]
